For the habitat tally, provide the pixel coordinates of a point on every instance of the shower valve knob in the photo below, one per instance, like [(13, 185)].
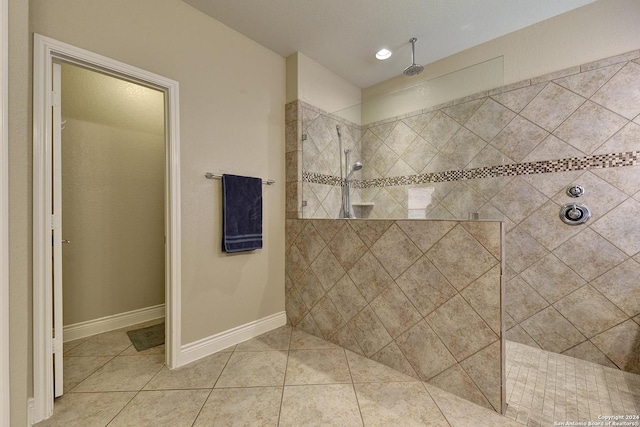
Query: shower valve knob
[(575, 191), (574, 213)]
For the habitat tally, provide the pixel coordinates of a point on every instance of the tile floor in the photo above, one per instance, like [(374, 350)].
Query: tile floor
[(289, 378), (544, 387)]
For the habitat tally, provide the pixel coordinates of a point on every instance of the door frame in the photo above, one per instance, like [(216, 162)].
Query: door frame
[(45, 51), (5, 401)]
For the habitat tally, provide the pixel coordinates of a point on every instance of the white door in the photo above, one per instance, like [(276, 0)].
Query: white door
[(56, 212)]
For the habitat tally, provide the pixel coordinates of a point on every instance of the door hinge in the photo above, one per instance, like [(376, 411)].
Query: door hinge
[(55, 222), (55, 99), (56, 345)]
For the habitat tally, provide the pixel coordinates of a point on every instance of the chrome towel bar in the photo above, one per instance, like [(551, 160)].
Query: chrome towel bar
[(210, 175)]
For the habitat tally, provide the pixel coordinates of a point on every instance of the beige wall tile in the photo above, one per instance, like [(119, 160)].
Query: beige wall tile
[(369, 276), (485, 369), (489, 119), (517, 334), (588, 351), (588, 82), (552, 331), (621, 93), (395, 251), (552, 279), (327, 317), (589, 127), (621, 225), (589, 311), (395, 311), (440, 129), (392, 356), (452, 319), (481, 295), (460, 271), (425, 351), (346, 298), (552, 106), (521, 300), (455, 380), (347, 246), (327, 269), (463, 111), (620, 286), (620, 344), (589, 245), (369, 332), (425, 286)]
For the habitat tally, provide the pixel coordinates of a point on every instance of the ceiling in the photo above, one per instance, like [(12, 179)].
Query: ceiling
[(344, 35)]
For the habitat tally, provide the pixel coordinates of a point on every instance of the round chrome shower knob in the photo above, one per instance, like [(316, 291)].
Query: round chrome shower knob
[(574, 214), (575, 191)]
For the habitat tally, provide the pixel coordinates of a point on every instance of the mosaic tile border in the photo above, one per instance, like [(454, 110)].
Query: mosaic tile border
[(599, 161)]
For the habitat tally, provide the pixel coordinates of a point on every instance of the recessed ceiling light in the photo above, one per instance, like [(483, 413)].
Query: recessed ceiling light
[(383, 54)]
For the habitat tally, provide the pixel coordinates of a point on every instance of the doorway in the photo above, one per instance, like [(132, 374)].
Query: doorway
[(48, 52), (111, 183)]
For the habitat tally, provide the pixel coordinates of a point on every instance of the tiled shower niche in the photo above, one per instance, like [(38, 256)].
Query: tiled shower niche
[(423, 297), (570, 290)]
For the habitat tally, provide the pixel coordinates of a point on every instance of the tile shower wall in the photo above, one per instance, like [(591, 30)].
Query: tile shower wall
[(293, 150), (571, 290), (423, 297), (321, 157)]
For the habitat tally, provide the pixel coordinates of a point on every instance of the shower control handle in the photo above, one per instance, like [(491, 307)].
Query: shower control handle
[(575, 191), (574, 213)]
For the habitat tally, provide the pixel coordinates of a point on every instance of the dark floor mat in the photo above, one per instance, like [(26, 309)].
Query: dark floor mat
[(148, 337)]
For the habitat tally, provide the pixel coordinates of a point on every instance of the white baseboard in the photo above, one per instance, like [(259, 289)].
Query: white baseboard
[(109, 323), (209, 345)]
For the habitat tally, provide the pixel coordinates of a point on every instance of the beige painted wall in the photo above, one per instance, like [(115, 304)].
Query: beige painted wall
[(113, 195), (19, 211), (598, 30), (313, 83), (232, 120)]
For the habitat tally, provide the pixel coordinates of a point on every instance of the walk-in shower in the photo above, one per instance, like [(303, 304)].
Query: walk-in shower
[(516, 154)]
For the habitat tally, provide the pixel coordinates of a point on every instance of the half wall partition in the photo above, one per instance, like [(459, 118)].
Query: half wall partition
[(424, 297)]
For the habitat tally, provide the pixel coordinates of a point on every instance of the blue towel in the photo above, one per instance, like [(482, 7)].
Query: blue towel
[(241, 213)]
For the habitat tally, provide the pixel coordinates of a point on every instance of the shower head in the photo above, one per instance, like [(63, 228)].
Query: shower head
[(413, 69), (338, 130), (355, 167)]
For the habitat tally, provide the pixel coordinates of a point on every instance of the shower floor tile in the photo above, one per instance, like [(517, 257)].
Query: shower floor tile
[(544, 388)]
